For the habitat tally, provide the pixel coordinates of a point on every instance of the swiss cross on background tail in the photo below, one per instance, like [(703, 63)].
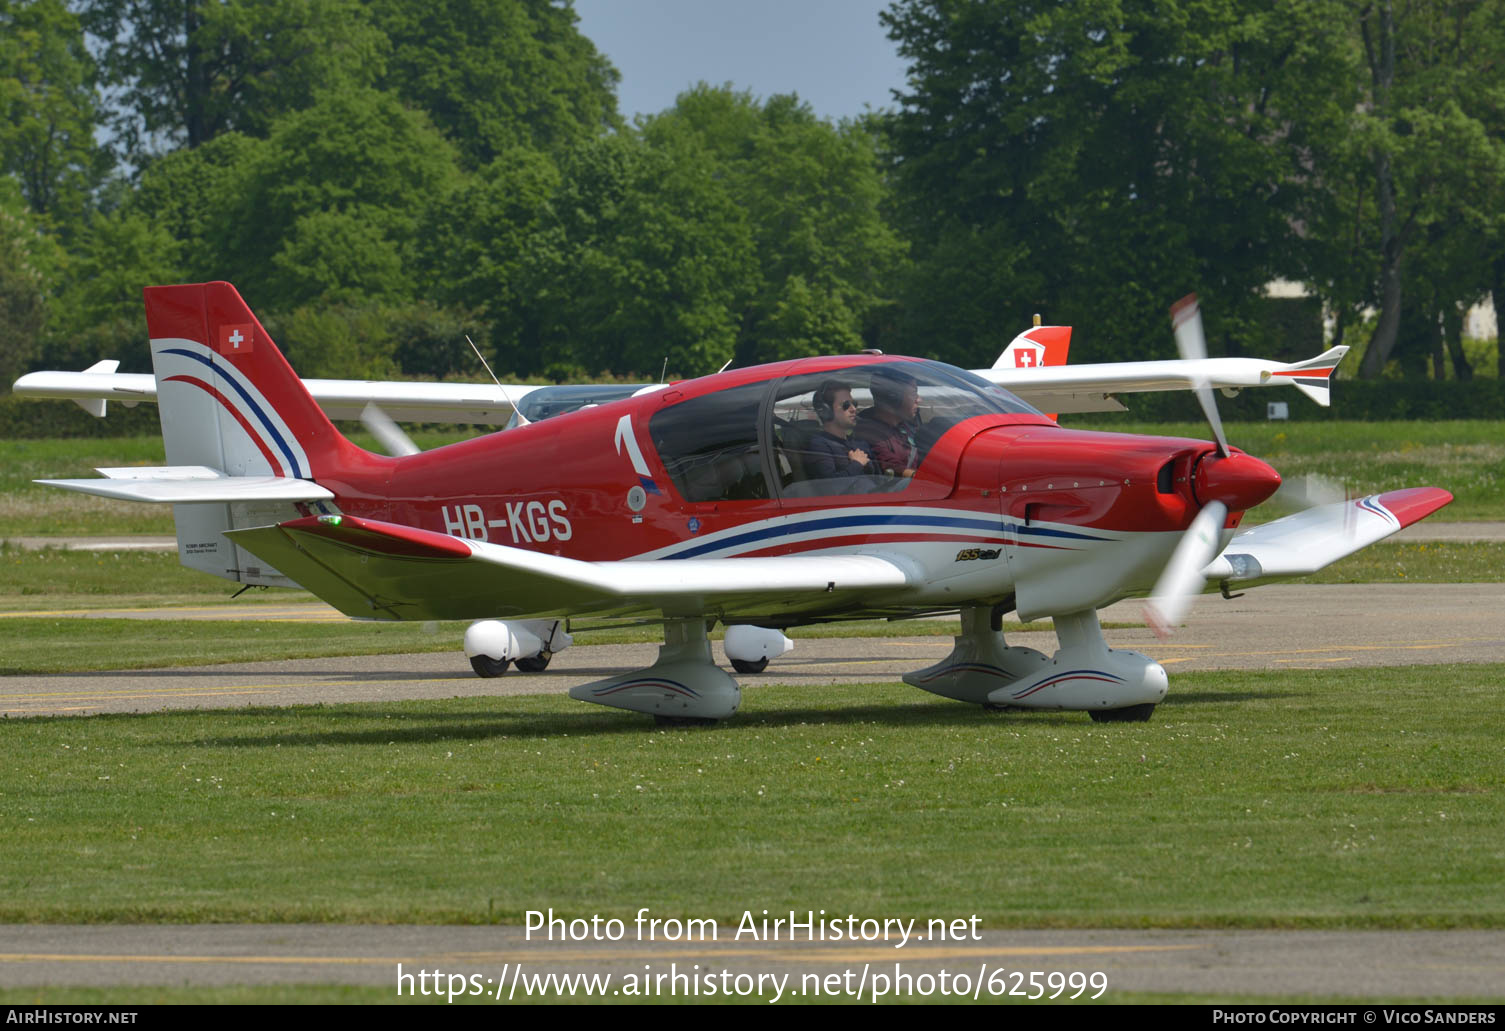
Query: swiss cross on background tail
[(236, 339), (1036, 347), (1027, 353)]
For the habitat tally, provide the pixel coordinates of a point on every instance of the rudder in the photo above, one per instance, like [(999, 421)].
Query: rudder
[(226, 396), (229, 400)]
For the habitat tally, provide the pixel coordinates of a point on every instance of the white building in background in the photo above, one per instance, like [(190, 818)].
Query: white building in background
[(1479, 324)]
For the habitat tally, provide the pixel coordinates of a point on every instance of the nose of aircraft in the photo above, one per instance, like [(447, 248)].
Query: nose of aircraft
[(1239, 481)]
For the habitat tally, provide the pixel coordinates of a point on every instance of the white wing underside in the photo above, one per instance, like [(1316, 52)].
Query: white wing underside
[(370, 569), (1303, 543), (179, 484)]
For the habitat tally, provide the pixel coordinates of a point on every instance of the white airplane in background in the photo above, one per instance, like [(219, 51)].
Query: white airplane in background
[(1033, 367)]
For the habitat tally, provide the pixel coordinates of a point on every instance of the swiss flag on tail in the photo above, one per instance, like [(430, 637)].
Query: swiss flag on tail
[(238, 338)]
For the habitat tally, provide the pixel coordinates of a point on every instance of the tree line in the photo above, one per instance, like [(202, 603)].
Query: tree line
[(382, 178)]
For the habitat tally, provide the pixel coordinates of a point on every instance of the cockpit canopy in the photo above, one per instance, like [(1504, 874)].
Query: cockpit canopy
[(782, 435)]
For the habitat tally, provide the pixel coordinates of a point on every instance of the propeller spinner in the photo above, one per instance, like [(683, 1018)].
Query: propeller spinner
[(1223, 481)]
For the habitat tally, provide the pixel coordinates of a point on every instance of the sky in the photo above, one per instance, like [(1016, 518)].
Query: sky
[(833, 53)]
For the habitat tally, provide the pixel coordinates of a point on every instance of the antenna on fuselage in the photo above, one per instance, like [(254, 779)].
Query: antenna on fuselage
[(522, 420)]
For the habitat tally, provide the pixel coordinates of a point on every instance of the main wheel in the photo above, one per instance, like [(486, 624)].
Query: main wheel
[(1128, 714), (537, 664), (486, 666), (743, 666)]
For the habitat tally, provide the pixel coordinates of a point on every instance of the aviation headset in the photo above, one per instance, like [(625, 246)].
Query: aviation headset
[(825, 399)]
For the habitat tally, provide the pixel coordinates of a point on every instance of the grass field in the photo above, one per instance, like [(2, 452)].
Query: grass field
[(1465, 457), (1344, 798)]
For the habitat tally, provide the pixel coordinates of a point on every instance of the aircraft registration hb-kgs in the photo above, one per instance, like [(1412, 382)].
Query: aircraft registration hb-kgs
[(701, 501)]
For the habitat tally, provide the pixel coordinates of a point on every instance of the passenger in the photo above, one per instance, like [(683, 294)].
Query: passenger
[(831, 453), (888, 428)]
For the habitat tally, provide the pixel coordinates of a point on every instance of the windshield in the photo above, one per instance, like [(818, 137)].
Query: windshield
[(866, 428)]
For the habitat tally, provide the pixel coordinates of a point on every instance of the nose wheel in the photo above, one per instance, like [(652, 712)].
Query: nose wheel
[(486, 666)]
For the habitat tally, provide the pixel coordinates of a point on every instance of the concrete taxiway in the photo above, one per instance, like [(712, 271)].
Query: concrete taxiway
[(501, 963), (1273, 627)]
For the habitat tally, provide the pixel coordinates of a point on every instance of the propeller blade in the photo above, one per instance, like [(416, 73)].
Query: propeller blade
[(1186, 320), (1181, 580), (387, 433), (1311, 490)]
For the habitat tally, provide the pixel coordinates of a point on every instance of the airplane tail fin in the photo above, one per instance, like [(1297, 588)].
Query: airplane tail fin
[(1037, 346), (1314, 377), (232, 407), (227, 397)]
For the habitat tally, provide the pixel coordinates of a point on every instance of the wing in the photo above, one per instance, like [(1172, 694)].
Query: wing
[(1091, 388), (376, 570), (176, 484), (486, 404), (1051, 388), (1307, 541)]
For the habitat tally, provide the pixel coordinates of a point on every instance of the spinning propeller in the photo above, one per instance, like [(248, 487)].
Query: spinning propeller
[(387, 433), (1219, 481)]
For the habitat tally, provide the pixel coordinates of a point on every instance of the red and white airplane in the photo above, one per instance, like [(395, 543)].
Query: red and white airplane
[(713, 500)]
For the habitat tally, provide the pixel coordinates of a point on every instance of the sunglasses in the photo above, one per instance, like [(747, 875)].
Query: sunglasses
[(847, 406)]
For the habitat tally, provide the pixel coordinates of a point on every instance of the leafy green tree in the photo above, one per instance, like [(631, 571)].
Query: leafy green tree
[(29, 262), (642, 259), (188, 70), (192, 191), (118, 254), (1094, 160), (473, 246), (339, 341), (498, 74), (331, 203), (48, 107), (1429, 141), (811, 195)]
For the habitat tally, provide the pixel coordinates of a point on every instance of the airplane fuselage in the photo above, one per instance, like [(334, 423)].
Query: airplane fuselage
[(1000, 506)]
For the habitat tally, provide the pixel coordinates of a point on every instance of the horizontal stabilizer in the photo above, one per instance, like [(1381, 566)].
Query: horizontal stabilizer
[(1303, 543), (1314, 377), (372, 569), (177, 484)]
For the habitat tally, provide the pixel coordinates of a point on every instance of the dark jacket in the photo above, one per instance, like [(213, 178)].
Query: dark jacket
[(827, 457)]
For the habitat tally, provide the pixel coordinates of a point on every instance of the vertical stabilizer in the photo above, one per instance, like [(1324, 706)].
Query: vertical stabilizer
[(229, 400), (227, 397)]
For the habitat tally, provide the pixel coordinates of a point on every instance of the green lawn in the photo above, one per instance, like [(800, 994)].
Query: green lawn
[(1336, 798)]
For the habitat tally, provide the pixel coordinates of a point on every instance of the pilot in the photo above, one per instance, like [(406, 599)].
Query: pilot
[(888, 428), (830, 452)]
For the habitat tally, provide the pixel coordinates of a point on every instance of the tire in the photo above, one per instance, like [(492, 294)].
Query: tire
[(1128, 714), (486, 666), (537, 664), (743, 666)]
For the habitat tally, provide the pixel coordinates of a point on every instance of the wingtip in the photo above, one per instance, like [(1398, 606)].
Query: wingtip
[(1414, 504)]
